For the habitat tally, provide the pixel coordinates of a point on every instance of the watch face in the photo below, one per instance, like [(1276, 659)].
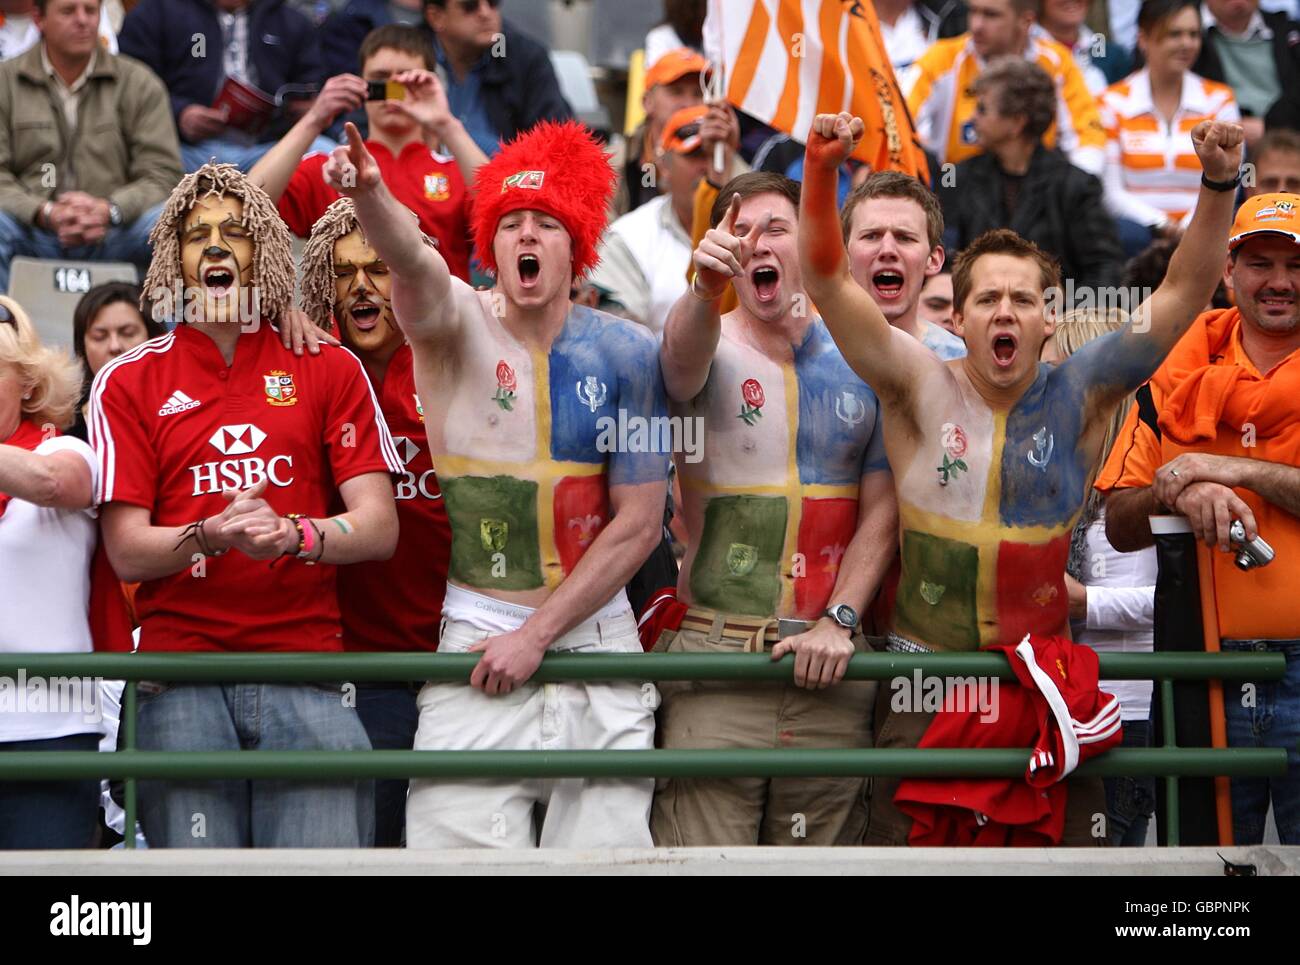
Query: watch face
[(845, 615)]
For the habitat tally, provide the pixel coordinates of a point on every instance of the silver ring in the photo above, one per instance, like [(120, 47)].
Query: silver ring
[(1174, 473)]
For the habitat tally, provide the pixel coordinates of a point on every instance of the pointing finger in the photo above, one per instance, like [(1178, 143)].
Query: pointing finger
[(729, 220), (356, 146)]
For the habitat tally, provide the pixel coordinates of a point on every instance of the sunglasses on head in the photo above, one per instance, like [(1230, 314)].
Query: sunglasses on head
[(7, 318), (471, 6)]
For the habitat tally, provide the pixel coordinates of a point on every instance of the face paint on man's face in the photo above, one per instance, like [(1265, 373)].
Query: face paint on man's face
[(362, 295), (217, 252)]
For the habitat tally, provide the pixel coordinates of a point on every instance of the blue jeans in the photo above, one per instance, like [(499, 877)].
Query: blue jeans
[(1130, 801), (49, 814), (128, 243), (243, 156), (1272, 721), (263, 813), (390, 716)]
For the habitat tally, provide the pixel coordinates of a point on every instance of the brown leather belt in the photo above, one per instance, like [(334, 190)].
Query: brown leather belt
[(755, 631)]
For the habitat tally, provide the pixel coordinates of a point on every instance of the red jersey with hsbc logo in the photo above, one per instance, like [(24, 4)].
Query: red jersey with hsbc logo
[(428, 183), (172, 425), (396, 604)]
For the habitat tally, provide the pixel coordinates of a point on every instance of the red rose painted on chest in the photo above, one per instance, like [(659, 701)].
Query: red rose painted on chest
[(506, 383), (752, 392), (954, 440)]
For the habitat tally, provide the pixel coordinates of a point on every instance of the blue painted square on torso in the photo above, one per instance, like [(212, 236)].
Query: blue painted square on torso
[(606, 368), (840, 433), (1043, 472)]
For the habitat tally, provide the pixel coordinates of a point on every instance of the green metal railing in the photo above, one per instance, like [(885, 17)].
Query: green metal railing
[(130, 764)]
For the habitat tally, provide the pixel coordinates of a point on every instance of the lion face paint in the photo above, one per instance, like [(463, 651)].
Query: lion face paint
[(217, 252), (363, 295)]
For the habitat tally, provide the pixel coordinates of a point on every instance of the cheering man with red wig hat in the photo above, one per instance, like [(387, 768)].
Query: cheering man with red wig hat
[(541, 419)]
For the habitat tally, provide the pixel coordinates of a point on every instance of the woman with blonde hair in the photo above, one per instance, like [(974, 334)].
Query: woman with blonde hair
[(47, 540), (1112, 597)]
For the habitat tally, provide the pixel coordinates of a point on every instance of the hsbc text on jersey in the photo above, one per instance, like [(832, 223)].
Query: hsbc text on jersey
[(213, 477), (409, 485), (240, 440)]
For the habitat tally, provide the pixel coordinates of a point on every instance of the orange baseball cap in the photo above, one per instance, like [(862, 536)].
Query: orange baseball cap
[(682, 132), (674, 64), (1276, 214)]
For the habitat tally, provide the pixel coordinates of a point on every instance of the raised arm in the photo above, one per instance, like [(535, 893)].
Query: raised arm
[(341, 94), (863, 335), (694, 326), (421, 282)]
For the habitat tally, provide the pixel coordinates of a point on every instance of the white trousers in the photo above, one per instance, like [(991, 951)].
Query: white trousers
[(559, 813)]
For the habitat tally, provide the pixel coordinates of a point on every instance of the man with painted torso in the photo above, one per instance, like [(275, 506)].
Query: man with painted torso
[(991, 453), (791, 516), (551, 511)]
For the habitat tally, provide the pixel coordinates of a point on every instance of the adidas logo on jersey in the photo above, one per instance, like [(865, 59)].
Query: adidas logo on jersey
[(178, 402)]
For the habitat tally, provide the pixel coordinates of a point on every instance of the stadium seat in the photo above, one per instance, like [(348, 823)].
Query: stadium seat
[(49, 290), (574, 75)]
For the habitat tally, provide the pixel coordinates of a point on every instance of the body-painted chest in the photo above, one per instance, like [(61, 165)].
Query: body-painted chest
[(775, 497), (517, 405), (527, 445), (986, 510), (768, 423)]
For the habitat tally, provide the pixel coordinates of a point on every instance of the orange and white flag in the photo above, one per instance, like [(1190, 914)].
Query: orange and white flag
[(785, 61)]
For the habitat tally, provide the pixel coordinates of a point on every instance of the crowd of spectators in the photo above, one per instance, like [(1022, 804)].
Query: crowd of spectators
[(1067, 122)]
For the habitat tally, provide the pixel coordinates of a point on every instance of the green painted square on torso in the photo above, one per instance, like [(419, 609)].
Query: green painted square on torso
[(738, 566), (936, 594), (493, 515)]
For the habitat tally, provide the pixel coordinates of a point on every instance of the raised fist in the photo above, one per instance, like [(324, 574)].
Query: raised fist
[(833, 138), (1218, 145)]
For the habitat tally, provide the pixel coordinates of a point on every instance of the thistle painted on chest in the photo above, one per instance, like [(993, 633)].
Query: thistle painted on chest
[(592, 393), (506, 385), (953, 439), (752, 394)]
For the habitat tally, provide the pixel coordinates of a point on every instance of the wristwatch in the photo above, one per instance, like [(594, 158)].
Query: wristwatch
[(844, 615), (114, 215)]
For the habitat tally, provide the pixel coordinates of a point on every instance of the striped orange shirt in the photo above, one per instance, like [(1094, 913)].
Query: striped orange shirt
[(1152, 172)]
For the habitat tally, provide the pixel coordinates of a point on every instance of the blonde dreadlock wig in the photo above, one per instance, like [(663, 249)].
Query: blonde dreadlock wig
[(318, 292), (272, 259)]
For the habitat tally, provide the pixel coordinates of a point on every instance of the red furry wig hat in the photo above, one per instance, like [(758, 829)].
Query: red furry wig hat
[(556, 168)]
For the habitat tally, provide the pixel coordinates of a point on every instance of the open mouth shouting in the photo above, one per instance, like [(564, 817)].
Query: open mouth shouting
[(767, 282), (887, 285), (1005, 349), (219, 280), (365, 314), (530, 268)]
